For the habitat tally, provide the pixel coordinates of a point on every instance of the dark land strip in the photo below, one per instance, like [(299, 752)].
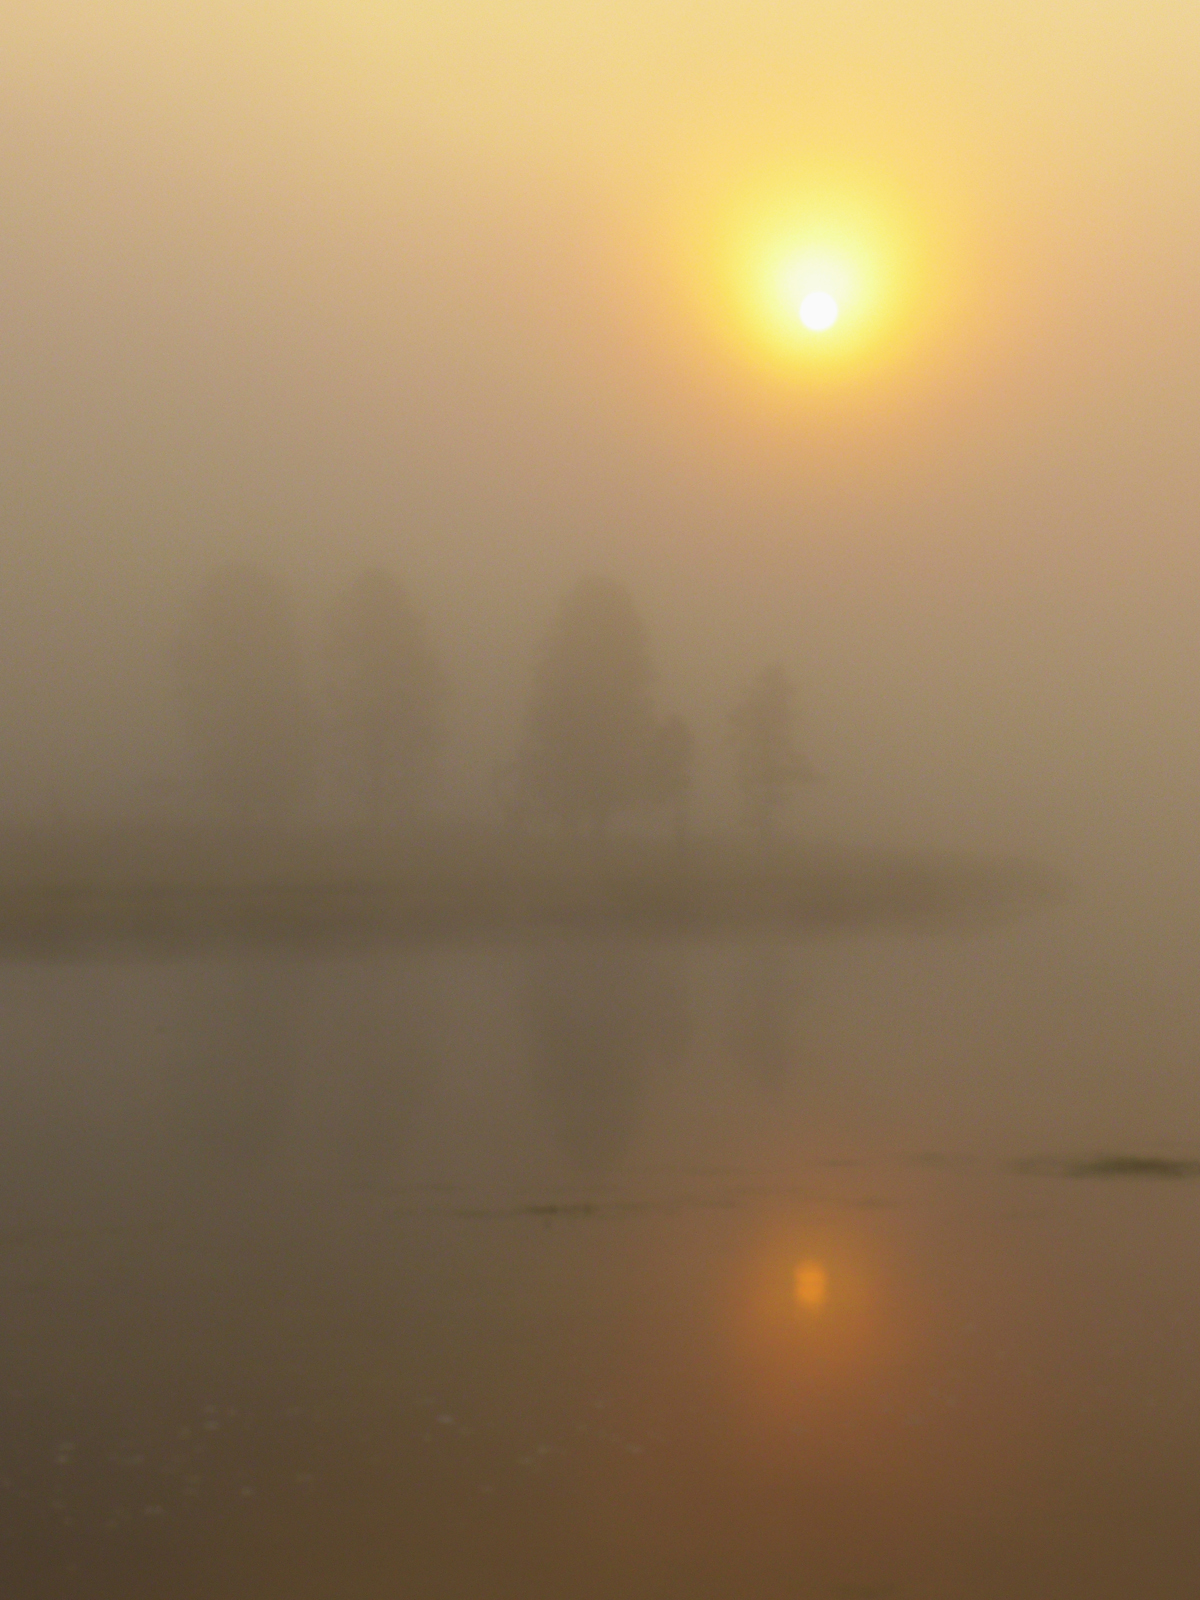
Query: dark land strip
[(207, 893)]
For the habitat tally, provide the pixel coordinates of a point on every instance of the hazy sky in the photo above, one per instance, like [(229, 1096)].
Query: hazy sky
[(462, 288)]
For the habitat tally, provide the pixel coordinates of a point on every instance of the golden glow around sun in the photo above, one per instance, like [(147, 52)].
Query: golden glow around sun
[(809, 279), (822, 277)]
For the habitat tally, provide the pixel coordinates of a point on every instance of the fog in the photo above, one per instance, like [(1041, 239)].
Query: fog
[(399, 1129), (274, 294)]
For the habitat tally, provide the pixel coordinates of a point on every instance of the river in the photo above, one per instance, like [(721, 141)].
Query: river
[(851, 1266)]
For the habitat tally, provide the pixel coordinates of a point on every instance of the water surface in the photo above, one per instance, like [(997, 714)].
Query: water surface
[(603, 1267)]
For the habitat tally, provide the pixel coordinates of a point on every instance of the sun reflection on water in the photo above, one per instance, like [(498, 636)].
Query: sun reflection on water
[(811, 1285)]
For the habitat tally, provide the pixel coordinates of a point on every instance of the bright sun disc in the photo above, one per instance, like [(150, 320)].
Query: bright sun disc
[(818, 311)]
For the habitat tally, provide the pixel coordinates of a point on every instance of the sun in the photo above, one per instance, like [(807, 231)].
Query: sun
[(807, 290), (816, 281), (818, 311), (822, 286)]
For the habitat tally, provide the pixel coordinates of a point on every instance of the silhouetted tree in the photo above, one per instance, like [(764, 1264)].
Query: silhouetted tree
[(769, 764), (243, 694), (591, 723), (670, 769), (386, 693)]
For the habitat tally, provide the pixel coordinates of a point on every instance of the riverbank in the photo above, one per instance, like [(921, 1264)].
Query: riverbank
[(174, 888)]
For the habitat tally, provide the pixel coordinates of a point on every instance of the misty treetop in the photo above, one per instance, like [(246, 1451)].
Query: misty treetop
[(593, 746), (669, 778), (386, 693), (768, 760), (244, 694), (248, 707)]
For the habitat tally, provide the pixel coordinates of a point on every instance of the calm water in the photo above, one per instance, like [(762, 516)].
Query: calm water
[(604, 1270)]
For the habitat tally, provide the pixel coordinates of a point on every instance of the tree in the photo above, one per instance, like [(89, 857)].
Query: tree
[(670, 770), (769, 764), (243, 695), (386, 693), (591, 722)]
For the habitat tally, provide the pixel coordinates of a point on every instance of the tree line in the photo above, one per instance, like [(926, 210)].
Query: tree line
[(262, 724)]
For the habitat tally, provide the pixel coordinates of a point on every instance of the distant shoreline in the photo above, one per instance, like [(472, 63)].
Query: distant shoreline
[(178, 890)]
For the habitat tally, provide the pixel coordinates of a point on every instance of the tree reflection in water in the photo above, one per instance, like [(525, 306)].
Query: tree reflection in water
[(602, 1016), (378, 1048), (767, 1000), (242, 1024)]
